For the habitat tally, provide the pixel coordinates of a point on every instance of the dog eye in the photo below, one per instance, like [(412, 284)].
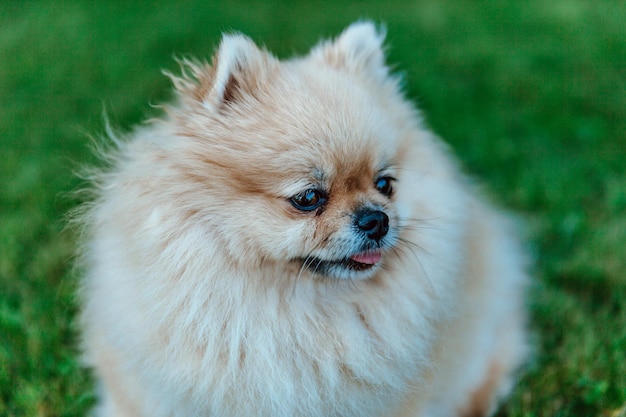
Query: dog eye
[(308, 200), (383, 185)]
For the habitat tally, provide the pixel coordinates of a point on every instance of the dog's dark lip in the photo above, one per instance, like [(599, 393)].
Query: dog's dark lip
[(359, 262)]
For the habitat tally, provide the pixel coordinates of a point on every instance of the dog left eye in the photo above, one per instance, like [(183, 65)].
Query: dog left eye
[(383, 185), (309, 200)]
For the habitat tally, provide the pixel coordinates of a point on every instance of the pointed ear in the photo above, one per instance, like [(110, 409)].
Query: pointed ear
[(236, 70), (359, 49), (238, 64)]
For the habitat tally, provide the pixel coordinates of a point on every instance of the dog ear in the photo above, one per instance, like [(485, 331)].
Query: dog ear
[(236, 70), (359, 50), (238, 65)]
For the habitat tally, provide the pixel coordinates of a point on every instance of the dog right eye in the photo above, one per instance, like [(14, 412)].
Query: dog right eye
[(308, 200)]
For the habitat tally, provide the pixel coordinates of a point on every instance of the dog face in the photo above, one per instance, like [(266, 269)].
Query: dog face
[(343, 204)]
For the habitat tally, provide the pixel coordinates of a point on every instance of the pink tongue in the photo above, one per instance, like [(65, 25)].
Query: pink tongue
[(369, 258)]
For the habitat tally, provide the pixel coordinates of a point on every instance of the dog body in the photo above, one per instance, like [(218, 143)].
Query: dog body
[(289, 240)]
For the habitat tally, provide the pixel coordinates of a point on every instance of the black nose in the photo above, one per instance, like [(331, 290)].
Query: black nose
[(374, 223)]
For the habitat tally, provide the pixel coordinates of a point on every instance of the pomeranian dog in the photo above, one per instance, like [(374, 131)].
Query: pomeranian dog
[(290, 240)]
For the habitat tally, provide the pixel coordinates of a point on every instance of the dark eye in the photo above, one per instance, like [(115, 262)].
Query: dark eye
[(383, 185), (308, 200)]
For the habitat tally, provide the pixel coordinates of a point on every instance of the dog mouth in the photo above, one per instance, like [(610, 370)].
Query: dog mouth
[(366, 259), (358, 262)]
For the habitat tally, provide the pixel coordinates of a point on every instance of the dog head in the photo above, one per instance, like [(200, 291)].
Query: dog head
[(300, 161)]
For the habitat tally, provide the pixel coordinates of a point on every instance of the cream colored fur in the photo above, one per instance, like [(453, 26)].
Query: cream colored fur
[(197, 297)]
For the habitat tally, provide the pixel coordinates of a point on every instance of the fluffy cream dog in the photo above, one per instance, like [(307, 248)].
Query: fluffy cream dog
[(289, 240)]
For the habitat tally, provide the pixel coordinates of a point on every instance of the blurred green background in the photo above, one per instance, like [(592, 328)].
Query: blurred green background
[(530, 94)]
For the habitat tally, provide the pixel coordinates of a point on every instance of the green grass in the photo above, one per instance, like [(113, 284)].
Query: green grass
[(531, 95)]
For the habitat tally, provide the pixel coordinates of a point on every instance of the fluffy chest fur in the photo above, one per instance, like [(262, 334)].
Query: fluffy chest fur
[(227, 343)]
